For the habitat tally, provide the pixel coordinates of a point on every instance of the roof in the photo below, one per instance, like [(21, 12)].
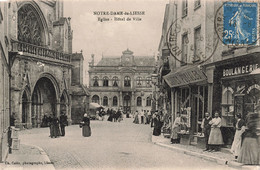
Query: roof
[(109, 62), (95, 105), (138, 60), (79, 90)]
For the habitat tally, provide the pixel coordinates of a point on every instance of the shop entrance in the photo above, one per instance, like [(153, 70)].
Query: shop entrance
[(199, 107)]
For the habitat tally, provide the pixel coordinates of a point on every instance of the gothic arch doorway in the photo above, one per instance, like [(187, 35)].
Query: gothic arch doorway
[(25, 108), (64, 102), (44, 100)]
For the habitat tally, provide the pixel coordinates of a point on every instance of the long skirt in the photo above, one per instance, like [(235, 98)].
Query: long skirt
[(86, 131), (174, 134), (249, 152), (215, 137), (236, 145), (136, 120)]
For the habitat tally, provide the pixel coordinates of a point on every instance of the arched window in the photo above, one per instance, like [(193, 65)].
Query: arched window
[(127, 81), (105, 101), (148, 101), (95, 99), (148, 81), (30, 28), (139, 101), (95, 79), (115, 81), (114, 101), (139, 81), (105, 81)]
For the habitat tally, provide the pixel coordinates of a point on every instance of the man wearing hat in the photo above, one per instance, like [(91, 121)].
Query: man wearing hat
[(63, 123)]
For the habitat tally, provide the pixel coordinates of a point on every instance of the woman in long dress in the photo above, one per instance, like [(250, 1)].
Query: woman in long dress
[(136, 120), (157, 125), (249, 151), (240, 128), (175, 129), (215, 137), (86, 130)]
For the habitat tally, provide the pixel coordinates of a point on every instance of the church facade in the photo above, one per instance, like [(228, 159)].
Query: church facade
[(122, 82)]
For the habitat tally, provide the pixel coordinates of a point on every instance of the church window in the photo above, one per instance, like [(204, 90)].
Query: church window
[(30, 29)]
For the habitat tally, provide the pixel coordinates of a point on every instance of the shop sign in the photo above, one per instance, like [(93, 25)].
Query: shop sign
[(255, 86), (245, 69), (185, 77)]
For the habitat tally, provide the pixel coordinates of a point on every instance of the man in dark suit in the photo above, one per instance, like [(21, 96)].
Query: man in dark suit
[(63, 123), (206, 127)]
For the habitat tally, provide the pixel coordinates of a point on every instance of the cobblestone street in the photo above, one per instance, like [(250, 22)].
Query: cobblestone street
[(112, 145)]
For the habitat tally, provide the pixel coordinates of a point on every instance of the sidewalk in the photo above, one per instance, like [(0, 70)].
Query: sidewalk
[(223, 157), (27, 157)]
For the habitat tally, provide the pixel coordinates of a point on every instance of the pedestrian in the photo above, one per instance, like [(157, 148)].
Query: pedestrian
[(240, 128), (44, 121), (110, 115), (63, 123), (176, 127), (157, 125), (206, 127), (136, 120), (149, 116), (145, 117), (55, 127), (142, 116), (114, 116), (86, 130), (249, 153), (215, 137)]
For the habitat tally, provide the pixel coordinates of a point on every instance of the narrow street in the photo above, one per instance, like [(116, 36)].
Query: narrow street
[(112, 145)]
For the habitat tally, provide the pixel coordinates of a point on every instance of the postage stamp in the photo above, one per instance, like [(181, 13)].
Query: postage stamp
[(240, 23)]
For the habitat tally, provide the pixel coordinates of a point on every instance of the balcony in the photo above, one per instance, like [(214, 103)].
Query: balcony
[(45, 53)]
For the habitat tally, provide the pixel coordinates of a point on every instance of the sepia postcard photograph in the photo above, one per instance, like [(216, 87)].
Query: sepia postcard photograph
[(129, 84)]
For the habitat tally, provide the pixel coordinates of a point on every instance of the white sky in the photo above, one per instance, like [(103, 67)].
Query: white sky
[(113, 37)]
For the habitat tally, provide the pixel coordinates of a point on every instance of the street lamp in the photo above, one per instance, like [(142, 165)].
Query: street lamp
[(155, 83)]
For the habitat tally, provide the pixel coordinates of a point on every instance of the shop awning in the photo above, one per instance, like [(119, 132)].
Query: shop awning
[(95, 106), (185, 75)]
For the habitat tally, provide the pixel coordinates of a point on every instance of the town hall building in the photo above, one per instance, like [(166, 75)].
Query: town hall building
[(122, 82)]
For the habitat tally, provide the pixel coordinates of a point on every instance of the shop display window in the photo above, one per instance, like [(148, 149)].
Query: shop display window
[(227, 107)]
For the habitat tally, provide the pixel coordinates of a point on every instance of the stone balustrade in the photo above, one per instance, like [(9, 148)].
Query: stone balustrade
[(18, 46)]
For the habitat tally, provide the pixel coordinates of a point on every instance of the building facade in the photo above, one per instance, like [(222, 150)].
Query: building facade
[(4, 81), (40, 49), (122, 82), (202, 77), (79, 92)]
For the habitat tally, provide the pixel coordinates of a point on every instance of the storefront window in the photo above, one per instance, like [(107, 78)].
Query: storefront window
[(227, 106)]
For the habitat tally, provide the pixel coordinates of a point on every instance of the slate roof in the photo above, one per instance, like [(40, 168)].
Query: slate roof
[(79, 90), (138, 61)]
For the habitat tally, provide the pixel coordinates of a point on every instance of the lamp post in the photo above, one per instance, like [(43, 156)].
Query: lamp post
[(155, 83)]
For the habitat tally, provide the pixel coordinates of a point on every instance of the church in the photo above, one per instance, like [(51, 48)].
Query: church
[(122, 81)]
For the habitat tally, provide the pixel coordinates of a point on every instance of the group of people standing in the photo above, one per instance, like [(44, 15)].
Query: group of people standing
[(114, 116), (57, 125), (142, 117), (245, 146)]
